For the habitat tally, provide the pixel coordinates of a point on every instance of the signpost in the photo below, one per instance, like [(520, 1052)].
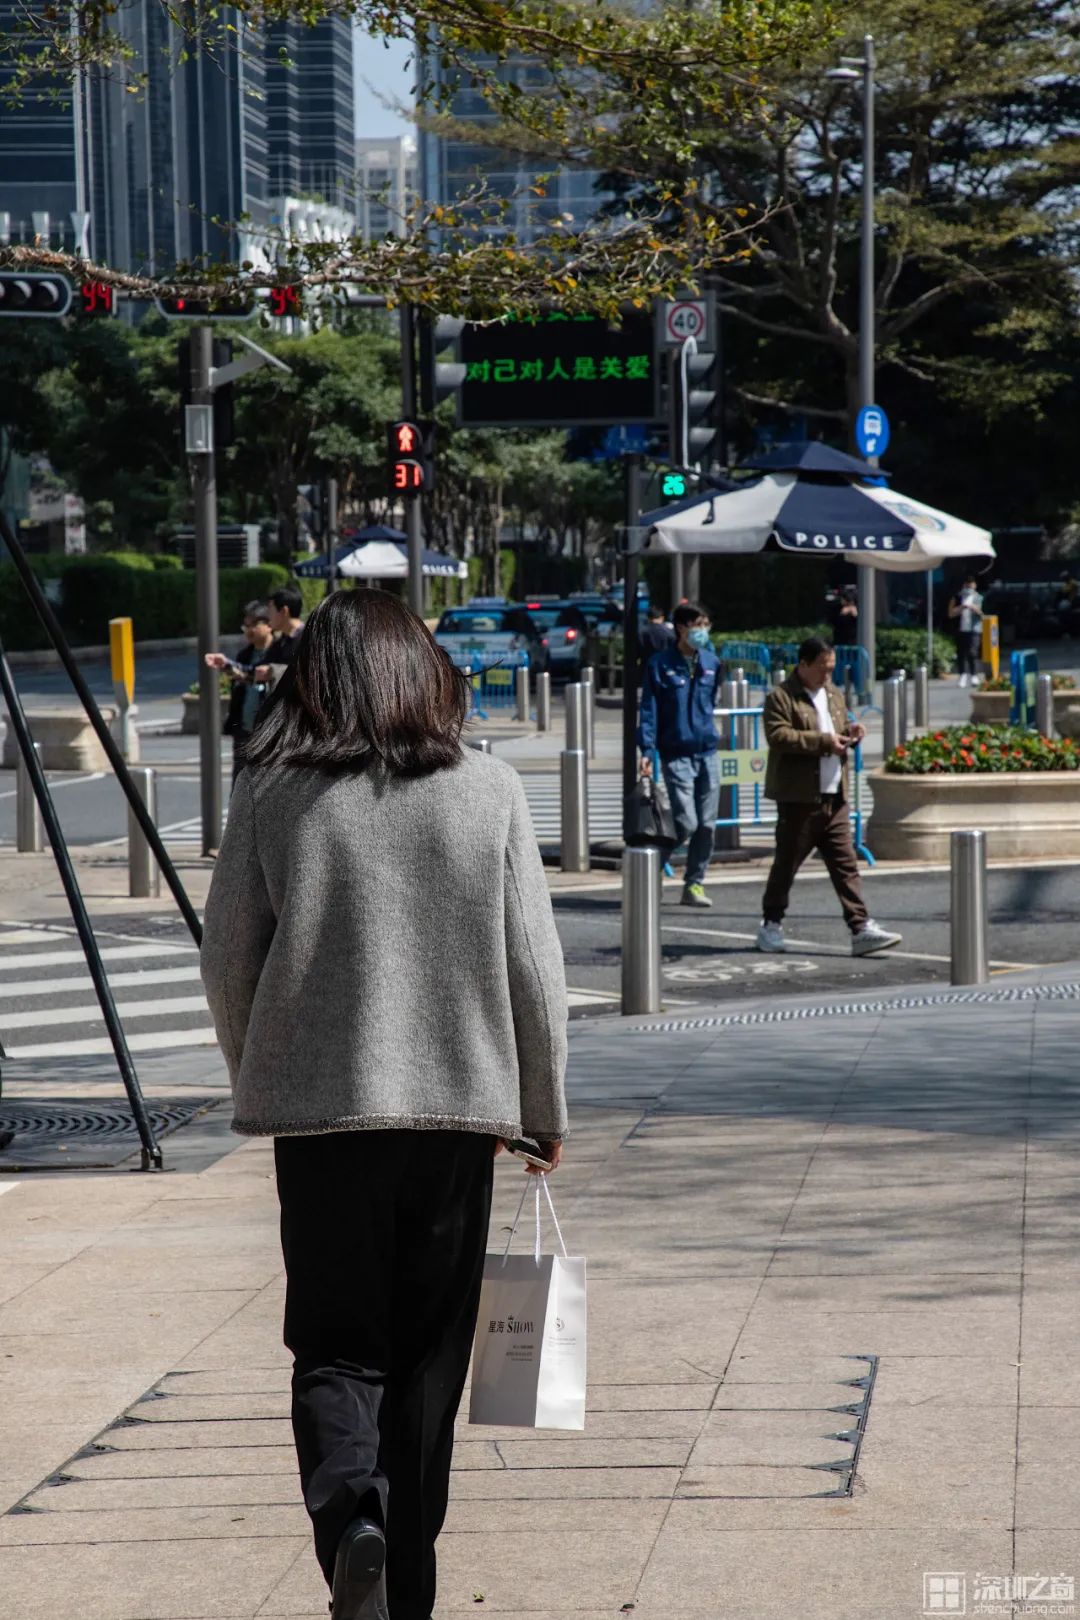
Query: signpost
[(872, 431), (559, 370), (683, 318)]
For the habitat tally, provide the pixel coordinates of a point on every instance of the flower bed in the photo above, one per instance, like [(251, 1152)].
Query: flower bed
[(962, 749), (1018, 787)]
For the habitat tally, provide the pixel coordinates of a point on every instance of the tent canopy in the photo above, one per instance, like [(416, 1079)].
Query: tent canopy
[(381, 559)]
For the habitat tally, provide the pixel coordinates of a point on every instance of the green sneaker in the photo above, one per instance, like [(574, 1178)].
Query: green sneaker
[(694, 895)]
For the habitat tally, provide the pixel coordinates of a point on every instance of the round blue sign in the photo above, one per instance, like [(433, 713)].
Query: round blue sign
[(872, 431)]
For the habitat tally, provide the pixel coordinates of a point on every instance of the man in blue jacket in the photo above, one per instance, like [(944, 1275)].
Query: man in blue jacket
[(678, 695)]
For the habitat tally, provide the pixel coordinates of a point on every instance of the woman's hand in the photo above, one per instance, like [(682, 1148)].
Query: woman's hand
[(552, 1152)]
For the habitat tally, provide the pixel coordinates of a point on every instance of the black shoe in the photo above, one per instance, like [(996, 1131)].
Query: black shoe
[(359, 1584)]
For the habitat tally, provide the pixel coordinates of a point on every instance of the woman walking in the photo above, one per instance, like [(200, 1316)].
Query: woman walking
[(386, 981)]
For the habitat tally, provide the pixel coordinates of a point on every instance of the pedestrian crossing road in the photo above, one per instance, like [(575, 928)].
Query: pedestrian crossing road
[(48, 1008)]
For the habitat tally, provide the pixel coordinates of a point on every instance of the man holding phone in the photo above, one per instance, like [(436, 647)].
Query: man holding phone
[(809, 736)]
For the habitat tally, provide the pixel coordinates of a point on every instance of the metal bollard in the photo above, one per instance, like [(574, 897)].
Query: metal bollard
[(588, 680), (849, 690), (922, 697), (900, 677), (969, 918), (727, 837), (29, 837), (891, 696), (610, 686), (482, 745), (1044, 706), (543, 701), (521, 684), (779, 675), (641, 986), (144, 874), (744, 726), (574, 785)]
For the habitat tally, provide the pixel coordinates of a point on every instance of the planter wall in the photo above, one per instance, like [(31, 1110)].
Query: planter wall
[(992, 708), (1023, 813), (68, 740), (189, 723)]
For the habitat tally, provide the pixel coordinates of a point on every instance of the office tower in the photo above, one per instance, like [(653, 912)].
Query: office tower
[(309, 104), (451, 166), (163, 167), (385, 184)]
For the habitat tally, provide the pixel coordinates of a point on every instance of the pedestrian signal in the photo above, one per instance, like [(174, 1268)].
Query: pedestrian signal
[(96, 298), (673, 486), (412, 452)]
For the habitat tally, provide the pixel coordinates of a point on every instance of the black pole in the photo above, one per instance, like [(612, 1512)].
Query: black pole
[(151, 1153), (44, 610), (631, 645), (414, 532)]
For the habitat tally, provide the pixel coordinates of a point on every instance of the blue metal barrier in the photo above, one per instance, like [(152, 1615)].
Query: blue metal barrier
[(856, 662), (1024, 674), (493, 679), (752, 657)]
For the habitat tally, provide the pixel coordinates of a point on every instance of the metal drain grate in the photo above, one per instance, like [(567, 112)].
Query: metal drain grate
[(92, 1137), (786, 1015)]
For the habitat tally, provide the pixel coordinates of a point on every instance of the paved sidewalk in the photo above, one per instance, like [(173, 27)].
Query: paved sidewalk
[(775, 1205)]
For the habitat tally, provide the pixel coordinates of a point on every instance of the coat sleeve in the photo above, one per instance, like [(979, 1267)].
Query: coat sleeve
[(647, 714), (238, 927), (781, 732), (537, 981)]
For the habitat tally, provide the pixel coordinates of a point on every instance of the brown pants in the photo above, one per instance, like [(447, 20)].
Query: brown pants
[(824, 826)]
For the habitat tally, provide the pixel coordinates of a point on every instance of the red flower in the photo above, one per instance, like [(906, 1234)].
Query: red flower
[(901, 753), (982, 748)]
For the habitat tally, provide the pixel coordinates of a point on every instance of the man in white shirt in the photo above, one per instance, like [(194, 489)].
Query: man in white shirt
[(809, 737)]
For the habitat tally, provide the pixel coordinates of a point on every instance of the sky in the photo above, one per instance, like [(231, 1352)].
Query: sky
[(382, 66)]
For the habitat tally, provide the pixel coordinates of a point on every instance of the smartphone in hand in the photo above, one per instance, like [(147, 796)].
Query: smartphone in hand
[(529, 1151)]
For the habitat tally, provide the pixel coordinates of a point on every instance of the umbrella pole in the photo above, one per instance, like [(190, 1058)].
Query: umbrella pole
[(930, 623)]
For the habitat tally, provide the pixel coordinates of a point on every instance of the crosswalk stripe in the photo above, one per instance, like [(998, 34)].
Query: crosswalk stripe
[(93, 1014), (109, 953), (20, 988), (157, 1041)]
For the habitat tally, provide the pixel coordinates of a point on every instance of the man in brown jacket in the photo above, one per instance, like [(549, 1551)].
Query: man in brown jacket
[(809, 735)]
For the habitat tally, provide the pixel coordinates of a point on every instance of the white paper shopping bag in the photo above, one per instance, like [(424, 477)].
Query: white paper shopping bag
[(529, 1353)]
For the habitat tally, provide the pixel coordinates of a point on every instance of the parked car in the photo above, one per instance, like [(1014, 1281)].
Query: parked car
[(488, 629)]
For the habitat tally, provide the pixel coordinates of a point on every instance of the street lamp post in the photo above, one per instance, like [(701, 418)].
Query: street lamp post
[(857, 69)]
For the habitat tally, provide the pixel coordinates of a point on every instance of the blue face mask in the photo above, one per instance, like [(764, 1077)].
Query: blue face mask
[(699, 638)]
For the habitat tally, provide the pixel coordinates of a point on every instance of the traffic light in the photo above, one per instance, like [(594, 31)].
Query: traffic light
[(693, 424), (440, 378), (673, 486), (286, 301), (412, 457), (34, 293), (231, 307), (96, 298)]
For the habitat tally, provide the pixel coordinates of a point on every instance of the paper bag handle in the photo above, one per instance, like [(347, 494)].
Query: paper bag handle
[(541, 1181)]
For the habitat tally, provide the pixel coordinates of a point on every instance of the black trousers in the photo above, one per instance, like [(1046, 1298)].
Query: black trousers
[(968, 648), (384, 1234)]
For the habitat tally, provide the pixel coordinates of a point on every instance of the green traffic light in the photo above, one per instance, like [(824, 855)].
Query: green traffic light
[(673, 485)]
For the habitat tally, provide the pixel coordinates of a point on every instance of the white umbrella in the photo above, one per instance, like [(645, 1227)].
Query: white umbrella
[(387, 559), (870, 525)]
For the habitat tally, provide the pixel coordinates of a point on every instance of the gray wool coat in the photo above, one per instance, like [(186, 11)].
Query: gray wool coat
[(380, 952)]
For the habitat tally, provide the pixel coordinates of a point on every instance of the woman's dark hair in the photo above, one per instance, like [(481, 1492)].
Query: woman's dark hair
[(368, 686)]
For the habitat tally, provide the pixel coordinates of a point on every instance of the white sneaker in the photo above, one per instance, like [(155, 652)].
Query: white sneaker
[(963, 679), (872, 937), (771, 938)]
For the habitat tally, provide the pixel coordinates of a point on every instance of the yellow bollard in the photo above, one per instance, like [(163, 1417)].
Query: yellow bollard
[(990, 652), (122, 657)]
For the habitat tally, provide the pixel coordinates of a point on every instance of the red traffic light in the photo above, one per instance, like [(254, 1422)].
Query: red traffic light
[(411, 453), (407, 438), (96, 298), (227, 307), (285, 301)]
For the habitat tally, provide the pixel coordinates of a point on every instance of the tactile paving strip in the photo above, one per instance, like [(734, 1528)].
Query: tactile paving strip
[(851, 1009)]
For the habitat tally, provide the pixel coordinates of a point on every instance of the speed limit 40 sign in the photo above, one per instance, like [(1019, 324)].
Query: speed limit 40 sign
[(683, 318)]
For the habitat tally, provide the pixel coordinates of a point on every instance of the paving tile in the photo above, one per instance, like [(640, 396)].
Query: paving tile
[(911, 1332), (747, 1439), (859, 1574), (1048, 1491), (118, 1524), (575, 1483), (649, 1397), (120, 1581), (583, 1452), (566, 1571), (110, 1494)]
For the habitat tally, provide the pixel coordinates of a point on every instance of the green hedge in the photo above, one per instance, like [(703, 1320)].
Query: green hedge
[(896, 649), (158, 595)]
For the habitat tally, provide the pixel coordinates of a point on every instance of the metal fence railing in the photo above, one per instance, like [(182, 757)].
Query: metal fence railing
[(493, 677)]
